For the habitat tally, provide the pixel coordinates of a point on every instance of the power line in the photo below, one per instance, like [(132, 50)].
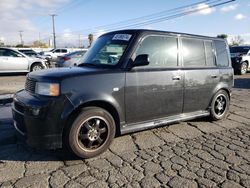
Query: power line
[(161, 16), (165, 18), (138, 19), (62, 9)]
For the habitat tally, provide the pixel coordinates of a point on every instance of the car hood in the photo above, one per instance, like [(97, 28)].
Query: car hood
[(63, 73)]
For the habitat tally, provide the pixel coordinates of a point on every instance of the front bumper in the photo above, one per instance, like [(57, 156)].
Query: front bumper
[(39, 119)]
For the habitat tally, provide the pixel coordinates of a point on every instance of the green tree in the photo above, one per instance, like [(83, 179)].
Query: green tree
[(223, 36), (38, 44), (20, 46)]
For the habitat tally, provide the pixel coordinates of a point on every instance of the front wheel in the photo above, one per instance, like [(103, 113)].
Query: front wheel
[(91, 133), (219, 105)]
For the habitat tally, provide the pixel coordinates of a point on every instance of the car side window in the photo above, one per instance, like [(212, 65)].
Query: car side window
[(2, 52), (57, 51), (193, 52), (64, 51), (11, 53), (221, 53), (210, 58), (162, 51)]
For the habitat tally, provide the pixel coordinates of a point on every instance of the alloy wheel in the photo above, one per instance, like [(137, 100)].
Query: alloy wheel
[(92, 133), (220, 105)]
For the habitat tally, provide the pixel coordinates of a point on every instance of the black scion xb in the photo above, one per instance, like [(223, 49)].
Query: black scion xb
[(130, 80)]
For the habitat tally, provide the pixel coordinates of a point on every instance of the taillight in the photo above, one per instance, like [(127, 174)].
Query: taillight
[(66, 58)]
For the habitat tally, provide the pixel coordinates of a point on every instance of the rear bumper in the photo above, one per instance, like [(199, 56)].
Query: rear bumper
[(39, 119)]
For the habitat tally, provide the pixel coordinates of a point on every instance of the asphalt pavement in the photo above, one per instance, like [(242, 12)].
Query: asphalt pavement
[(197, 153)]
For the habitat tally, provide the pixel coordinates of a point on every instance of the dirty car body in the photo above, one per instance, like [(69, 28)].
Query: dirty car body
[(137, 96)]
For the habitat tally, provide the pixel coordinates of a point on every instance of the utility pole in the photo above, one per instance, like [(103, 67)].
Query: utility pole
[(21, 36), (54, 32), (39, 39), (79, 38)]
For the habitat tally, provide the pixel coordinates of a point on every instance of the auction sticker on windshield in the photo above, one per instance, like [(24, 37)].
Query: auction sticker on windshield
[(125, 37)]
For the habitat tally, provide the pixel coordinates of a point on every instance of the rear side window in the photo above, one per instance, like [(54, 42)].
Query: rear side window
[(162, 51), (64, 51), (221, 53), (2, 52), (193, 52), (210, 58)]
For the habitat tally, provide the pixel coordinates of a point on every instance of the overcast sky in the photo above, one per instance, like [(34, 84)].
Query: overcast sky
[(76, 18)]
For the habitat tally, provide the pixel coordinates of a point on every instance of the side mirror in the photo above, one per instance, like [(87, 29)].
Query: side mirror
[(141, 60)]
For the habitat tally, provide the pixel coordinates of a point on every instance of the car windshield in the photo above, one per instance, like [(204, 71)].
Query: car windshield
[(107, 50), (243, 50)]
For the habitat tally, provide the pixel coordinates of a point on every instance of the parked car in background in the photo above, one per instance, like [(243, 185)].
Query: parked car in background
[(245, 65), (14, 61), (54, 53), (129, 80), (29, 52), (71, 59), (34, 54), (240, 59)]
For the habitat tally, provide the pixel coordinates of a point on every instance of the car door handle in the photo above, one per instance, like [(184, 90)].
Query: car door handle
[(214, 76), (176, 78)]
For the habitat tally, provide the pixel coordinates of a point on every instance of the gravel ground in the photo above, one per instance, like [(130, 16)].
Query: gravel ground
[(196, 153)]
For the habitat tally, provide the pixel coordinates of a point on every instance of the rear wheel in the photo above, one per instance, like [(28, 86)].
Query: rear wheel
[(91, 133), (219, 105), (243, 68)]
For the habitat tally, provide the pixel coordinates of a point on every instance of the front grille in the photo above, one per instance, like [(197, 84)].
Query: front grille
[(30, 85), (19, 107)]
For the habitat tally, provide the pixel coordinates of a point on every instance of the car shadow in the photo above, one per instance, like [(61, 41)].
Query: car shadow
[(242, 83), (14, 74), (22, 153)]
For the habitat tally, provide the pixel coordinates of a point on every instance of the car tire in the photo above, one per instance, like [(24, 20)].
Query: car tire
[(91, 132), (243, 68), (36, 67), (219, 105)]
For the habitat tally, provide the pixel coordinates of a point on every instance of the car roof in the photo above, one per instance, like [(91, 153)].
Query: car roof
[(149, 31), (13, 50)]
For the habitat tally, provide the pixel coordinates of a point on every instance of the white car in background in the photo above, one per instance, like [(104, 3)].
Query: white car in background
[(245, 62), (54, 53), (15, 61)]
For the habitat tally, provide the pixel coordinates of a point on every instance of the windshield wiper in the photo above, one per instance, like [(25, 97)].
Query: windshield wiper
[(87, 65)]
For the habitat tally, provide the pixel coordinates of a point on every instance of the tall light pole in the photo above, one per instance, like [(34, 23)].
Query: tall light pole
[(21, 37), (79, 40), (54, 32)]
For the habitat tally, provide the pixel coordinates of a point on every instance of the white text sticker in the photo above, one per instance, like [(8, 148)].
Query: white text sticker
[(125, 37)]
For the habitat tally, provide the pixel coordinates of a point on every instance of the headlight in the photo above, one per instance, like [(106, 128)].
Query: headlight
[(49, 89)]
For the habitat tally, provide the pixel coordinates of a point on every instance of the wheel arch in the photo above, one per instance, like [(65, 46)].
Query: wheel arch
[(95, 103), (34, 63), (246, 61), (226, 89)]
